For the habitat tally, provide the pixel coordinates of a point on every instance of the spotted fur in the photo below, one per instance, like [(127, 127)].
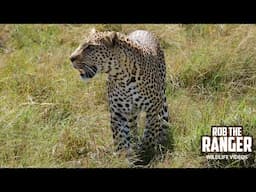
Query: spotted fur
[(136, 71)]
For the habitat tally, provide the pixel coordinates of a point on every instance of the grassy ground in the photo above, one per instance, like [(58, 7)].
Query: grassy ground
[(50, 118)]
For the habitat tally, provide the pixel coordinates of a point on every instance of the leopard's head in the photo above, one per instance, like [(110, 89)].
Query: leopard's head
[(95, 54)]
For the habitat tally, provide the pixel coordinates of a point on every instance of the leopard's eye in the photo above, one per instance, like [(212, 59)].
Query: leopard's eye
[(88, 48)]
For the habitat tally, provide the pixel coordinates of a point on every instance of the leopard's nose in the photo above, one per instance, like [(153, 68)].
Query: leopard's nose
[(72, 58)]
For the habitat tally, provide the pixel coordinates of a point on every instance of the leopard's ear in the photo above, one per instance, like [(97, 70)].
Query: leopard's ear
[(93, 30), (109, 39)]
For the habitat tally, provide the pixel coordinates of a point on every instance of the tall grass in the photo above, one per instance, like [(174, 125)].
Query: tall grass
[(50, 118)]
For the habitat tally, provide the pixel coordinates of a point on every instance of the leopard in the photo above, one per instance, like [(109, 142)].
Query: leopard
[(136, 83)]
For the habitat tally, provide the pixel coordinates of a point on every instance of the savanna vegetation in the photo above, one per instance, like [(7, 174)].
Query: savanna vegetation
[(50, 118)]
